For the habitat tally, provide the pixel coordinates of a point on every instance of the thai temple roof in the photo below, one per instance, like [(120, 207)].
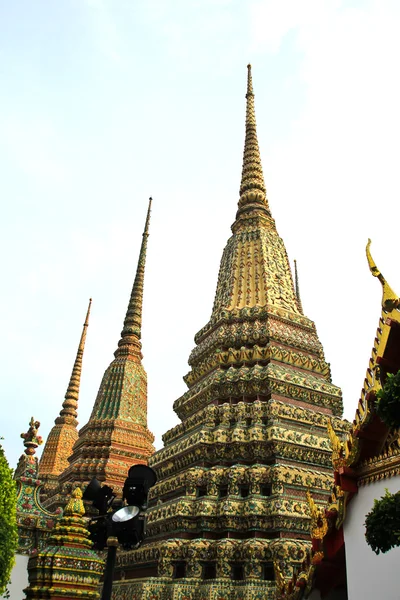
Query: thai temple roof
[(369, 452)]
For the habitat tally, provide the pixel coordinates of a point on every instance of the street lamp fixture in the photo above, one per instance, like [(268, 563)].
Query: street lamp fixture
[(126, 525)]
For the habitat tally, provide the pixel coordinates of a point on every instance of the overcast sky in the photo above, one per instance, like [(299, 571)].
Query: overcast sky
[(106, 102)]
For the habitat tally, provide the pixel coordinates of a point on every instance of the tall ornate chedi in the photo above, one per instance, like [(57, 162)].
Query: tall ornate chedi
[(64, 434), (233, 475), (116, 436)]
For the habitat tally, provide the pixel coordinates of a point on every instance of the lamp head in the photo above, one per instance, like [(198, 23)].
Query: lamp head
[(136, 488), (100, 496)]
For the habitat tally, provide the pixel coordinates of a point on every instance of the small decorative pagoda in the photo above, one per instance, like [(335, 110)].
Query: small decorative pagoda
[(116, 435), (67, 568), (34, 521), (233, 475)]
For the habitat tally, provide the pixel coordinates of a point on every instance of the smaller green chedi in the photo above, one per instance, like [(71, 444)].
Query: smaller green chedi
[(67, 567)]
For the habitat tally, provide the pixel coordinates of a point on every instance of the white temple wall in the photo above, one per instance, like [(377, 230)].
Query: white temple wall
[(19, 577), (333, 595), (369, 576)]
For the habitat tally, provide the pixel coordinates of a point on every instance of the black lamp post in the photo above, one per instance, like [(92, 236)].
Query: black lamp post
[(125, 526)]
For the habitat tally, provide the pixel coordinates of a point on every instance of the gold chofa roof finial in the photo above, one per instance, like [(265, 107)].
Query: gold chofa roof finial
[(70, 404), (132, 330), (253, 193), (389, 299)]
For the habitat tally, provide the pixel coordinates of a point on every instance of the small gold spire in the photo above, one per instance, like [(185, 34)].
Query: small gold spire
[(70, 404), (389, 299), (252, 188), (131, 332), (296, 282)]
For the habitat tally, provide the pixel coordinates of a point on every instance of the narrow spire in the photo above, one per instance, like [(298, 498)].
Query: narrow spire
[(131, 332), (70, 404), (297, 288), (252, 187), (64, 433)]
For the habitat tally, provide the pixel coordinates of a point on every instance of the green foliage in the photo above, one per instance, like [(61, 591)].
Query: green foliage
[(383, 523), (388, 404), (8, 521)]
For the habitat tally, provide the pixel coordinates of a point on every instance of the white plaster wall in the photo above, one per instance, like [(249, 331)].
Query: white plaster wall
[(19, 577), (369, 576), (333, 595)]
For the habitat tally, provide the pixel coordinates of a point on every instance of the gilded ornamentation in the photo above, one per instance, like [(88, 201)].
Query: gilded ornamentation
[(338, 458), (255, 380), (319, 524)]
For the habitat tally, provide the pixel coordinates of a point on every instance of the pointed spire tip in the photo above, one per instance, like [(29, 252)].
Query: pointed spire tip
[(86, 323), (296, 285), (252, 187), (131, 332), (147, 223)]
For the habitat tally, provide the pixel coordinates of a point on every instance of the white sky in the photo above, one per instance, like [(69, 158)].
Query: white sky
[(104, 103)]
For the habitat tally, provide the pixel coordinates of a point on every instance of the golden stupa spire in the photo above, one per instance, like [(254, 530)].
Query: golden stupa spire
[(70, 404), (131, 332), (64, 433), (253, 193)]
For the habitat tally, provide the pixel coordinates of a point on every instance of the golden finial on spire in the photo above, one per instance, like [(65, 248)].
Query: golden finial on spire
[(252, 187), (75, 504), (249, 81), (297, 287), (389, 299), (131, 332), (70, 404), (147, 224)]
